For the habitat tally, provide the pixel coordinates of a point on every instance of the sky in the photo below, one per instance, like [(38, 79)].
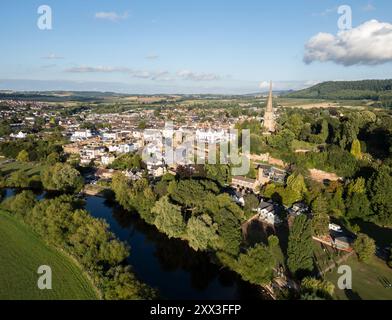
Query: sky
[(203, 46)]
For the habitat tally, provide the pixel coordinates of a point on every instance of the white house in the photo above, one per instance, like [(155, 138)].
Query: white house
[(81, 135), (109, 135), (19, 135), (266, 211), (107, 159), (211, 136)]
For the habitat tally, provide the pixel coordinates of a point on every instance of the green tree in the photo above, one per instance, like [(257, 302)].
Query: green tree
[(168, 218), (320, 288), (300, 247), (356, 149), (358, 206), (251, 203), (228, 217), (21, 203), (53, 158), (365, 247), (320, 220), (256, 265), (273, 243), (201, 233), (337, 204), (23, 156), (18, 179), (62, 177), (381, 195)]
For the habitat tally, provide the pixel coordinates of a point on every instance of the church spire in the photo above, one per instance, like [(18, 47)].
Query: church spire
[(269, 121)]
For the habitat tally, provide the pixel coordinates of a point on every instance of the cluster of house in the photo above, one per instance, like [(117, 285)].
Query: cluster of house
[(103, 146), (265, 174), (271, 213)]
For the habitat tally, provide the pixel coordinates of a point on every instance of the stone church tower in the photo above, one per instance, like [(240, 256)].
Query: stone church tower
[(269, 120)]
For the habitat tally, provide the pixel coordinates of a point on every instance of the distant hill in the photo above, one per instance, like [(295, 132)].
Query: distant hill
[(57, 96), (379, 91)]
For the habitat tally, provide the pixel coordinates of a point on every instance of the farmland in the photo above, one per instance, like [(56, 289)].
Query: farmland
[(22, 252)]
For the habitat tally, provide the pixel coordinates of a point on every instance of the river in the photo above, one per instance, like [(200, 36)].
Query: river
[(168, 265)]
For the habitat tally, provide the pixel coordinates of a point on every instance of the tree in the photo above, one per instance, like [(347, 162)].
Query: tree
[(336, 204), (161, 187), (320, 220), (219, 173), (358, 206), (356, 186), (23, 156), (256, 265), (128, 161), (18, 179), (365, 247), (381, 195), (62, 177), (300, 247), (53, 158), (273, 243), (21, 203), (168, 218), (356, 149), (251, 203), (295, 189), (201, 233), (319, 288), (191, 193), (228, 217)]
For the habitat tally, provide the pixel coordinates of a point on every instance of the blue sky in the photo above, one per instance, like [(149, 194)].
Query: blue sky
[(189, 46)]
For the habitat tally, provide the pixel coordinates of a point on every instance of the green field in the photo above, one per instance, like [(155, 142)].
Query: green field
[(22, 252), (30, 168), (365, 280)]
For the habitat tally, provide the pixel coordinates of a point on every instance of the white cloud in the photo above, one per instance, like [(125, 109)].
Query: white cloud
[(368, 44), (111, 16), (158, 75), (194, 76), (52, 56), (140, 74)]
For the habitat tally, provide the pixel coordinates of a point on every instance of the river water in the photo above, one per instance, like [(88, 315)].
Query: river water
[(168, 265)]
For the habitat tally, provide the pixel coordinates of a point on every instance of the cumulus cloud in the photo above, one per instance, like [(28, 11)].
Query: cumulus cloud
[(194, 76), (111, 16), (368, 44)]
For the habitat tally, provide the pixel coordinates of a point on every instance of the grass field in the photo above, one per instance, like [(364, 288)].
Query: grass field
[(30, 168), (365, 280), (22, 252)]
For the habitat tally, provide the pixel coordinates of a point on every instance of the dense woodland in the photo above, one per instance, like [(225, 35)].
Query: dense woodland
[(379, 91)]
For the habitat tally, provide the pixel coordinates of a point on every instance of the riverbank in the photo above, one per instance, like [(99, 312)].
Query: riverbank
[(167, 265), (22, 251)]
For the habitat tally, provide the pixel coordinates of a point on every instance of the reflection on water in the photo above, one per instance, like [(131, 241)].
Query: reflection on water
[(168, 265)]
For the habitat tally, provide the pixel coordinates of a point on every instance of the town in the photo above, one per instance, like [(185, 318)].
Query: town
[(103, 153), (196, 151)]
